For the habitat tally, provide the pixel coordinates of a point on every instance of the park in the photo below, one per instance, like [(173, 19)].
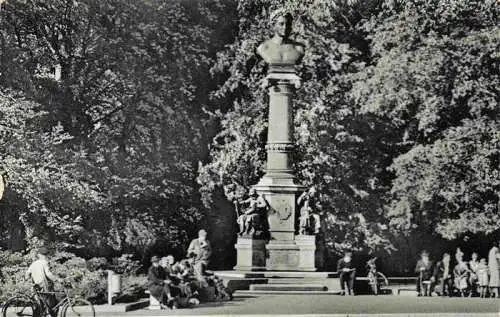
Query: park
[(208, 158)]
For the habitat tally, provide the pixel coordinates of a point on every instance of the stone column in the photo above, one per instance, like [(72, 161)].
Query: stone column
[(278, 185)]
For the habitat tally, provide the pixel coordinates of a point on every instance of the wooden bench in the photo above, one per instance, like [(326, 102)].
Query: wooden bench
[(396, 283)]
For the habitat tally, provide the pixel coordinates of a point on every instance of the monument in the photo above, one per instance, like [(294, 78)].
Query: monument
[(279, 248)]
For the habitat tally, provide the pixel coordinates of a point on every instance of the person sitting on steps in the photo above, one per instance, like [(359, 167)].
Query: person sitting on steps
[(158, 285)]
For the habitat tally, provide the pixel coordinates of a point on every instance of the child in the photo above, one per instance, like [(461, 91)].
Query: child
[(461, 273), (482, 276), (373, 276)]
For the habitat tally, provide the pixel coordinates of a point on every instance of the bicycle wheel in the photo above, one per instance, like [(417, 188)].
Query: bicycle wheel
[(20, 306), (78, 307)]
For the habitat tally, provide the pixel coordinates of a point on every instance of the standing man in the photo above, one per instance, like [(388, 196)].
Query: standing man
[(424, 271), (347, 273), (42, 277), (200, 250), (443, 276)]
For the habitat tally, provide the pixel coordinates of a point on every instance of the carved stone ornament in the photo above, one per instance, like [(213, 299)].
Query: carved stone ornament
[(283, 210), (280, 147)]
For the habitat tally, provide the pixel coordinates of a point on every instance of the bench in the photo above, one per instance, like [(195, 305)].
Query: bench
[(396, 284), (154, 304)]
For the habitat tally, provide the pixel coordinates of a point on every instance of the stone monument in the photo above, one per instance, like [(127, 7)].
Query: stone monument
[(285, 250), (253, 232)]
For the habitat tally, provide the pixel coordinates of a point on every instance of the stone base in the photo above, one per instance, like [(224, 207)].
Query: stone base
[(307, 250), (296, 255), (251, 254), (282, 256)]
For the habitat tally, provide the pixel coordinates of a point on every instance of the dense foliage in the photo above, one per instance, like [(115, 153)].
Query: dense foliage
[(109, 120), (126, 125), (396, 122)]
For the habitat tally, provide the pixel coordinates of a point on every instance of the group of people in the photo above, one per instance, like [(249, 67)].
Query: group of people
[(466, 278), (186, 282)]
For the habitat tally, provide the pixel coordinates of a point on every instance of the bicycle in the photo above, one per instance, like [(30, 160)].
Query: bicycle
[(35, 305)]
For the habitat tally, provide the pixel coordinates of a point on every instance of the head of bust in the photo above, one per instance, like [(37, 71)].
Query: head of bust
[(281, 22)]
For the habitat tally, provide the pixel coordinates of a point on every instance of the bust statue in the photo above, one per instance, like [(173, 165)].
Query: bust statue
[(280, 50)]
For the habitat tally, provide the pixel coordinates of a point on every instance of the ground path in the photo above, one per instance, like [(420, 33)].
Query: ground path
[(328, 305), (300, 305)]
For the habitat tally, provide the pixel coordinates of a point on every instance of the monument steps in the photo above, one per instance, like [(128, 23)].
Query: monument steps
[(288, 287), (294, 280), (247, 292), (281, 282)]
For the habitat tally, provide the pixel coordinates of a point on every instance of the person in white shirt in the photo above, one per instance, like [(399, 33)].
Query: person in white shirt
[(200, 250), (43, 278)]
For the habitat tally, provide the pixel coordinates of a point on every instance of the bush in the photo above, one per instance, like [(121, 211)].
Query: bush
[(72, 269), (88, 278), (133, 287)]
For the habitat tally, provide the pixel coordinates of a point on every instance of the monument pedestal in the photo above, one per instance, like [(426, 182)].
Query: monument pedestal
[(251, 254), (282, 256), (307, 250)]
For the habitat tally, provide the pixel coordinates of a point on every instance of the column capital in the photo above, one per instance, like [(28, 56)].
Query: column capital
[(282, 78), (280, 146)]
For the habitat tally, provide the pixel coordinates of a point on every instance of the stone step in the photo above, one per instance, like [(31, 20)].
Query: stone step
[(275, 274), (242, 283), (295, 280), (244, 292), (288, 287)]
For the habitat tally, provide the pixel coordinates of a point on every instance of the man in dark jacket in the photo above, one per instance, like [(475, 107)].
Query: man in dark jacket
[(424, 271), (443, 276), (347, 273), (158, 285)]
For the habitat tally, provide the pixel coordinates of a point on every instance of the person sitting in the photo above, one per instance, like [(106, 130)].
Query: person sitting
[(482, 277), (347, 273), (461, 273), (424, 271), (158, 285), (443, 276), (167, 263)]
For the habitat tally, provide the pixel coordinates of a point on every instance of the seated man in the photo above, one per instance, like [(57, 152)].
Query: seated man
[(167, 262), (347, 273), (158, 285), (424, 271)]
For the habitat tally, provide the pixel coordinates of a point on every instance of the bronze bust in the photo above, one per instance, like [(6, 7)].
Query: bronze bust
[(280, 50)]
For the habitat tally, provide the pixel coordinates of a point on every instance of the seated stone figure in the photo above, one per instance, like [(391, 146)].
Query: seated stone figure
[(254, 218)]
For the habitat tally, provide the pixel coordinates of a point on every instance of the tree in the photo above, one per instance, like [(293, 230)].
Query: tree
[(389, 88), (434, 76), (332, 137), (132, 85)]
